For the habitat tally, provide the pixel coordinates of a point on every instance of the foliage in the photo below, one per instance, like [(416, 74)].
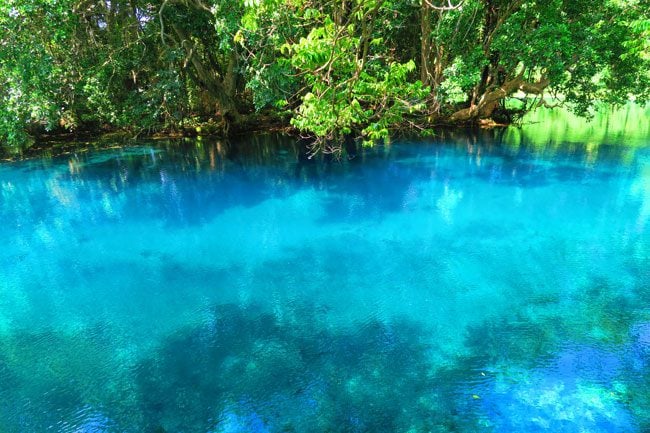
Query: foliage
[(366, 93), (357, 68)]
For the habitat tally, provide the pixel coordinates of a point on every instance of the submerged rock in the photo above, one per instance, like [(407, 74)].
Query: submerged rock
[(576, 392), (544, 403), (233, 423)]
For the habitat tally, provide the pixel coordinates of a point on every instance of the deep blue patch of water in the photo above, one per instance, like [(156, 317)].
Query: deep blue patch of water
[(456, 285)]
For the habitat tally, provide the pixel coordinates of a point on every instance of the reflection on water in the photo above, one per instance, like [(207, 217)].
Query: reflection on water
[(467, 283), (555, 128), (641, 189)]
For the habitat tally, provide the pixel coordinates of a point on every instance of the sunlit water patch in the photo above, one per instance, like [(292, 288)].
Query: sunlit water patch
[(459, 285)]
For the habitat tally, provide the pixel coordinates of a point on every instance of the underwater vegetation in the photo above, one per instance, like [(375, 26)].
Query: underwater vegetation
[(581, 388), (72, 372), (248, 370), (594, 384)]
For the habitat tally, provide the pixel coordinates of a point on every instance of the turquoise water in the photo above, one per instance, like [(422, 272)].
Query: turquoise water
[(465, 284)]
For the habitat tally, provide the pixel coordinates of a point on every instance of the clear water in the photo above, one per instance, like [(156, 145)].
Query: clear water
[(466, 284)]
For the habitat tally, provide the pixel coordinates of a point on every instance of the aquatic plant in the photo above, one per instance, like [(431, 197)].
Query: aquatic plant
[(249, 369), (70, 372)]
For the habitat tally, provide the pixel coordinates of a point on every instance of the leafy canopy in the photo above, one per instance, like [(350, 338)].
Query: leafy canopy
[(331, 69)]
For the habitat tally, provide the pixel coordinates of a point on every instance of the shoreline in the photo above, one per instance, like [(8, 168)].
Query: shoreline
[(64, 143)]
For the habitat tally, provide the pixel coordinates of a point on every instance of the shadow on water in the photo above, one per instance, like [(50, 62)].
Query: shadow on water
[(248, 370)]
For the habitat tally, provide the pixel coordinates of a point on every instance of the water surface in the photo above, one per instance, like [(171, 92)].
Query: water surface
[(474, 282)]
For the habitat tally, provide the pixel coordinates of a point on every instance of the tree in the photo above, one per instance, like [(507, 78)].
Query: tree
[(532, 47), (333, 70), (354, 83)]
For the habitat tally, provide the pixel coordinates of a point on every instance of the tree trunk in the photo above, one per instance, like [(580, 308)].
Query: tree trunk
[(230, 79), (425, 44), (341, 13), (495, 15), (220, 89), (492, 98)]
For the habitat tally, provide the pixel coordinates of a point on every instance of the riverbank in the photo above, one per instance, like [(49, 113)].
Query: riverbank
[(543, 127), (61, 142)]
